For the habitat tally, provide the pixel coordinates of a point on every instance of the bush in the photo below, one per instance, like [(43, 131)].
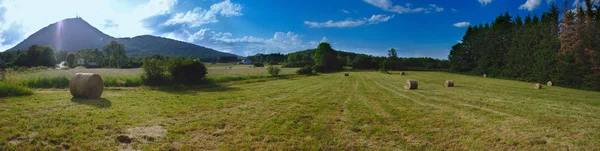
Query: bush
[(13, 90), (176, 71), (187, 71), (308, 70), (154, 72), (258, 64), (319, 68), (273, 70)]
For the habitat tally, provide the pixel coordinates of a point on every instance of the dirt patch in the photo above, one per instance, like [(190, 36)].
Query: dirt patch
[(148, 132), (124, 139), (21, 139)]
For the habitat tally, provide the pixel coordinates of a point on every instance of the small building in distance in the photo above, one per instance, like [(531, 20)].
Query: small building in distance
[(92, 65), (246, 61), (80, 62)]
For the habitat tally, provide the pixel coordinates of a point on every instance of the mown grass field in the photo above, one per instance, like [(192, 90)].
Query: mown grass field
[(365, 111)]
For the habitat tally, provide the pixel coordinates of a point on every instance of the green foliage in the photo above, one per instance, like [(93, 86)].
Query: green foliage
[(155, 72), (90, 55), (114, 55), (160, 71), (274, 58), (36, 55), (258, 64), (61, 55), (47, 82), (71, 60), (273, 70), (392, 54), (326, 57), (537, 49), (307, 70), (187, 71), (13, 90)]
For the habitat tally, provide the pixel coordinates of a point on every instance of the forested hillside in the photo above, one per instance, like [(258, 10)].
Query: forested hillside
[(558, 46), (358, 61)]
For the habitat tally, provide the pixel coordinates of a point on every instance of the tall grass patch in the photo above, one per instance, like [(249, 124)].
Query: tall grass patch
[(123, 81), (63, 82), (47, 82), (13, 90)]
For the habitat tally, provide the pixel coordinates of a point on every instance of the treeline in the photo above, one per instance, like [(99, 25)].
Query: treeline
[(358, 61), (536, 49), (112, 55), (35, 56)]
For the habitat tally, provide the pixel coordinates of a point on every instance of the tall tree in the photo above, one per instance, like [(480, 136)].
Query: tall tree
[(115, 54), (325, 58), (392, 55)]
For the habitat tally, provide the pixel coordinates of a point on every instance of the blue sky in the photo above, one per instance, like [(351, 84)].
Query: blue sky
[(416, 28)]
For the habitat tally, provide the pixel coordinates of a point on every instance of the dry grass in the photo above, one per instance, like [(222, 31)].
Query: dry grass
[(371, 112)]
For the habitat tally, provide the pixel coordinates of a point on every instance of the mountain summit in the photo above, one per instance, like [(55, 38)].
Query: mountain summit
[(71, 34), (74, 34)]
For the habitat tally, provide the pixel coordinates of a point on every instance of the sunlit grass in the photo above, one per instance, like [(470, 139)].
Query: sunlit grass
[(364, 111)]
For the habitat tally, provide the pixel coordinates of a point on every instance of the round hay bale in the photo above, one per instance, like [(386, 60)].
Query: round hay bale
[(449, 83), (86, 85), (346, 74), (549, 83), (403, 73), (411, 84), (537, 86), (485, 75)]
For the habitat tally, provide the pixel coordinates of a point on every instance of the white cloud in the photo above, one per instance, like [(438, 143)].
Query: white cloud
[(324, 39), (331, 23), (530, 5), (484, 2), (374, 19), (380, 3), (198, 16), (462, 24), (345, 11), (454, 10), (436, 8), (379, 18), (226, 8), (388, 6), (281, 42)]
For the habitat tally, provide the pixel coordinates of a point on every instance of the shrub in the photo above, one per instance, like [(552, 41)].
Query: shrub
[(258, 64), (175, 71), (319, 68), (187, 71), (154, 72), (13, 90), (273, 70), (308, 70)]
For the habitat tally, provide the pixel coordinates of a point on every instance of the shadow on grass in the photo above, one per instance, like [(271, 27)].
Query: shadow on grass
[(216, 85), (99, 103), (193, 89)]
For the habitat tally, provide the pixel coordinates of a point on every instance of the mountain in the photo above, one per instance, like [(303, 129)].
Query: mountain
[(74, 34), (70, 34), (149, 45)]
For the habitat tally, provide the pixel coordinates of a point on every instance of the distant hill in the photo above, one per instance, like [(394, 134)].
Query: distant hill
[(147, 44), (74, 34)]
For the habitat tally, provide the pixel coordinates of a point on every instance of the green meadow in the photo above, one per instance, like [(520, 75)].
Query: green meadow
[(363, 111)]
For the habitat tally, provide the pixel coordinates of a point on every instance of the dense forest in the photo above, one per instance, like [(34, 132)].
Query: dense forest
[(563, 50), (358, 61)]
